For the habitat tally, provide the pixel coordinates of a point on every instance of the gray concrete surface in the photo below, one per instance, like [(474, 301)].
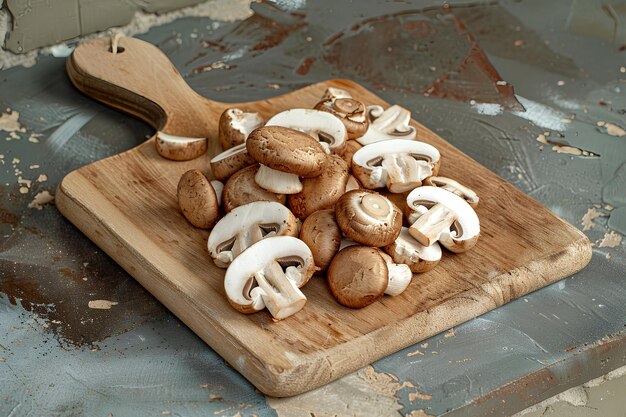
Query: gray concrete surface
[(559, 138)]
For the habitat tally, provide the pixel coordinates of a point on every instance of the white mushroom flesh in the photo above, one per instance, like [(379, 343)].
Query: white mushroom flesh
[(345, 242), (400, 276), (269, 275), (322, 126), (277, 181), (352, 184), (449, 219), (392, 123), (335, 93), (244, 226), (228, 153), (218, 186), (412, 252), (244, 122), (397, 164)]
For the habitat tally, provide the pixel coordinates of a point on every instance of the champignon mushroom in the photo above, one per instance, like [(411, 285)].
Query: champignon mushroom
[(368, 218), (178, 148), (360, 275), (269, 275), (285, 155), (322, 235), (322, 191), (241, 188), (351, 147), (352, 184), (454, 187), (406, 250), (351, 112), (322, 126), (246, 225), (401, 165), (218, 186), (392, 123), (198, 199), (235, 125), (449, 219), (226, 163)]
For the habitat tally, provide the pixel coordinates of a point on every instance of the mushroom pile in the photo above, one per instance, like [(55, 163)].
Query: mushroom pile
[(342, 189)]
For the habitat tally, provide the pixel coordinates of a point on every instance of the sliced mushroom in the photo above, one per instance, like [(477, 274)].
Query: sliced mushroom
[(235, 125), (392, 123), (351, 147), (178, 148), (368, 218), (225, 164), (218, 186), (454, 187), (322, 235), (269, 275), (198, 199), (322, 126), (406, 250), (241, 188), (449, 219), (401, 165), (351, 112), (285, 155), (360, 275), (246, 225), (322, 191)]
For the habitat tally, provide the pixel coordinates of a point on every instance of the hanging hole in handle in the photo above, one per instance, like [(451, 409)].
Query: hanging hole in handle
[(120, 49)]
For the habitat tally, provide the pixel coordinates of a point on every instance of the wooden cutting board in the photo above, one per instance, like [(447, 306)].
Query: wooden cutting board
[(127, 205)]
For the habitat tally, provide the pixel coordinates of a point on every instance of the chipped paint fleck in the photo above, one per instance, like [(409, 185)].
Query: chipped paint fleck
[(612, 129), (9, 122), (418, 413), (587, 221), (101, 304), (610, 240), (41, 199)]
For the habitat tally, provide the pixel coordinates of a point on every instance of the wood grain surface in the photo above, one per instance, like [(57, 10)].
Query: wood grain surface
[(127, 205)]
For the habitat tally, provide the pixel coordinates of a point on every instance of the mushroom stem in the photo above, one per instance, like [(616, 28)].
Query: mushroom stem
[(277, 181), (428, 228), (281, 296), (218, 186), (404, 172), (400, 276)]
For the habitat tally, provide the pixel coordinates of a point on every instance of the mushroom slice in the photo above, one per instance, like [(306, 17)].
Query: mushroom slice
[(401, 165), (285, 155), (241, 188), (198, 199), (449, 219), (225, 164), (392, 123), (407, 250), (322, 191), (269, 274), (351, 112), (454, 187), (368, 218), (179, 148), (360, 275), (322, 235), (235, 125), (322, 126), (246, 225)]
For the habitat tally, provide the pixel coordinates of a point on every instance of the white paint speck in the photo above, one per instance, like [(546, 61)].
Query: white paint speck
[(489, 109)]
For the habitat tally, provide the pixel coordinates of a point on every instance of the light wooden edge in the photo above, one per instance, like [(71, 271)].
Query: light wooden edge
[(280, 375)]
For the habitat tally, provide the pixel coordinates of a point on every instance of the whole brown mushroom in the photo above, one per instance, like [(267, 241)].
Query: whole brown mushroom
[(241, 189), (198, 200), (321, 233)]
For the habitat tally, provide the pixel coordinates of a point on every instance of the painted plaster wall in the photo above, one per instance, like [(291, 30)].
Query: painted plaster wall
[(30, 24)]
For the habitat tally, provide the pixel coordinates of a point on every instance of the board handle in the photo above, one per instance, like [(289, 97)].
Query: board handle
[(139, 79)]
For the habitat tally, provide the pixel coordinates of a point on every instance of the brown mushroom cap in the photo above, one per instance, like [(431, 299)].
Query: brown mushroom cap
[(241, 189), (322, 235), (358, 276), (351, 112), (368, 218), (197, 199), (225, 164), (234, 126), (287, 150), (322, 191)]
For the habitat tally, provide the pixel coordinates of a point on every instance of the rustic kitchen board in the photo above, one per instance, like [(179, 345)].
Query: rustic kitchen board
[(127, 205)]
